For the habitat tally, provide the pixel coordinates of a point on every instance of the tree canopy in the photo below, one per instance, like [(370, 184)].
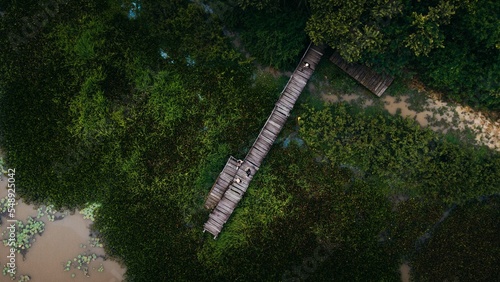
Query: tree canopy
[(454, 45)]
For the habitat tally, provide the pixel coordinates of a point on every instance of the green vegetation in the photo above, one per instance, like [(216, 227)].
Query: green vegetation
[(455, 251), (81, 262), (50, 212), (90, 210), (140, 115), (275, 37), (454, 45), (401, 155), (25, 234)]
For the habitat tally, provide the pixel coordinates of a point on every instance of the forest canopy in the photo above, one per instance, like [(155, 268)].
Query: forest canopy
[(454, 46)]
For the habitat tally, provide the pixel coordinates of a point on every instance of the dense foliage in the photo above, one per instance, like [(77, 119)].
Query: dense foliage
[(400, 154), (275, 37), (456, 253), (453, 45), (139, 114)]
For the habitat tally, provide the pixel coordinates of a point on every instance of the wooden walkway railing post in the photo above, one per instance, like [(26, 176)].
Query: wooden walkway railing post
[(236, 176)]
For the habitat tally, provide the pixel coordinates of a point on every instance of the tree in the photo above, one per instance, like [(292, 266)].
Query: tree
[(354, 28)]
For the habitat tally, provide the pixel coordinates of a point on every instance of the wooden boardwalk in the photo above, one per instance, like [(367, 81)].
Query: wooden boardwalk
[(222, 182), (236, 176), (373, 81)]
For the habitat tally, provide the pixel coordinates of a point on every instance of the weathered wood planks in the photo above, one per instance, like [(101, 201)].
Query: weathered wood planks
[(234, 179), (373, 81), (222, 183)]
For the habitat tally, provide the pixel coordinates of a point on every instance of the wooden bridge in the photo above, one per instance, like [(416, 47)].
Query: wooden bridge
[(373, 81), (233, 181)]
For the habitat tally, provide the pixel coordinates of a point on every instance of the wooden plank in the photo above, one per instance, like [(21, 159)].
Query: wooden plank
[(232, 195), (271, 132), (268, 134), (254, 157), (258, 154), (301, 77), (262, 148), (216, 221), (289, 96), (281, 115), (266, 140), (229, 203), (216, 194), (312, 57), (211, 201), (274, 130), (291, 90), (237, 185), (211, 229), (278, 121), (240, 189), (296, 86), (299, 81), (213, 226), (285, 113), (278, 126), (227, 179), (317, 50), (373, 81), (259, 149), (217, 217), (223, 209), (265, 146), (285, 103), (277, 115), (253, 161)]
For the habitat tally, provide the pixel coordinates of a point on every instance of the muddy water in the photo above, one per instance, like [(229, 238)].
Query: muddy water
[(61, 241), (404, 269), (349, 97), (329, 98)]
